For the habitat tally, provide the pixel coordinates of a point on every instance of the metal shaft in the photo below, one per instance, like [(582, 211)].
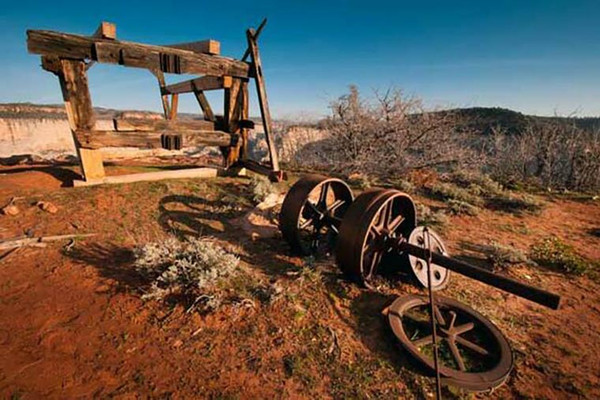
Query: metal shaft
[(510, 285), (432, 316)]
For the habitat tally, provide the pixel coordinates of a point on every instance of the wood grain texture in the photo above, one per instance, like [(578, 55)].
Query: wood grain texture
[(199, 84), (149, 125), (78, 104), (93, 139), (209, 46), (203, 172), (106, 30), (263, 103), (166, 59)]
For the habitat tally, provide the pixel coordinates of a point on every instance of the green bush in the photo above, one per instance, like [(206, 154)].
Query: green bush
[(553, 253), (478, 184)]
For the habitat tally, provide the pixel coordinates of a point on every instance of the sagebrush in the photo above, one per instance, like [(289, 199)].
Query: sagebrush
[(190, 268)]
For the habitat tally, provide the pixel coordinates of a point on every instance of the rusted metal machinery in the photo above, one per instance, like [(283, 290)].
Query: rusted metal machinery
[(378, 231)]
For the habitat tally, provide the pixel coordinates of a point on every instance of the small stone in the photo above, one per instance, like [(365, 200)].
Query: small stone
[(47, 206), (10, 209)]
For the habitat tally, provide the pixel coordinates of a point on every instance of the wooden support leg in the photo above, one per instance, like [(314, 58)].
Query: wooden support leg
[(261, 90), (235, 109), (78, 103), (174, 105)]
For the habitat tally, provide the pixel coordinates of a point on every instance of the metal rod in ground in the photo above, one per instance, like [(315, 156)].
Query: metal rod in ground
[(438, 381)]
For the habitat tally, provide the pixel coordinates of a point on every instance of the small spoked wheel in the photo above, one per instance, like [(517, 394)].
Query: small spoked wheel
[(370, 231), (472, 352), (312, 212), (440, 275)]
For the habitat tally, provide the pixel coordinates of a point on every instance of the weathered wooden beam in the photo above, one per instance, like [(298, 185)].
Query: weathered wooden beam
[(262, 97), (165, 59), (203, 172), (209, 115), (174, 106), (256, 35), (149, 125), (93, 139), (208, 46), (106, 30), (78, 104), (199, 84)]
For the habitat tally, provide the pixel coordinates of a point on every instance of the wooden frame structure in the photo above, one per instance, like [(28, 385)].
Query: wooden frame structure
[(70, 56)]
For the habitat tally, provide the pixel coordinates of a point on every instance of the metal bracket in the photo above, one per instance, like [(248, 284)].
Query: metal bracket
[(171, 141)]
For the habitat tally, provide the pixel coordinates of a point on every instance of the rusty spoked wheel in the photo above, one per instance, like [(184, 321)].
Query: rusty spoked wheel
[(473, 353), (312, 212), (440, 275), (370, 230)]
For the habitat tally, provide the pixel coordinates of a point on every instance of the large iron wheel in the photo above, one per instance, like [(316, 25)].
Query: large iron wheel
[(312, 212), (472, 352), (370, 230)]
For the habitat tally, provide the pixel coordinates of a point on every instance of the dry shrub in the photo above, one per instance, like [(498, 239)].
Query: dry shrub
[(552, 154), (449, 191), (428, 217), (501, 257), (458, 207), (392, 134), (190, 269)]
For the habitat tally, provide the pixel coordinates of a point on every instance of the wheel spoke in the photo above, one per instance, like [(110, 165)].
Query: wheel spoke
[(323, 195), (306, 224), (459, 330), (375, 260), (334, 206), (456, 355), (313, 208), (425, 340), (438, 315), (470, 345), (392, 226)]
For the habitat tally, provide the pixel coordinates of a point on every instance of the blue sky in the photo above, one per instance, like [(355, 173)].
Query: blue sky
[(538, 57)]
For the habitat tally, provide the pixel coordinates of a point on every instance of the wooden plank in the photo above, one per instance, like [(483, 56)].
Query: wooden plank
[(94, 139), (166, 59), (262, 98), (204, 172), (106, 30), (199, 84), (174, 105), (205, 106), (78, 104), (208, 46), (140, 124)]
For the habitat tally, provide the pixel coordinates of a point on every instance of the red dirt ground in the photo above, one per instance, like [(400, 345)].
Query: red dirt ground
[(72, 324)]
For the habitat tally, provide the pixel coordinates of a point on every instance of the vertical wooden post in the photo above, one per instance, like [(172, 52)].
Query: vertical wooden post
[(160, 76), (232, 115), (245, 114), (262, 97), (174, 105), (78, 104)]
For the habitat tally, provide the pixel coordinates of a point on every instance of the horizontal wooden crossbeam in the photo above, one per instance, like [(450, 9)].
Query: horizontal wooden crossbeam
[(93, 139), (162, 58), (209, 46), (199, 85), (139, 124)]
